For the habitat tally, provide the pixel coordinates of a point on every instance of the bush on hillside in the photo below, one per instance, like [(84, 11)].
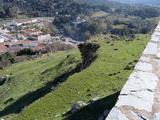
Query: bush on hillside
[(26, 51)]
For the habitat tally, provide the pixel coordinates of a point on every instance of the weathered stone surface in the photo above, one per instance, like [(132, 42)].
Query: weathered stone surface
[(158, 52), (156, 33), (138, 91), (145, 59), (104, 115), (116, 114), (143, 66), (155, 38), (156, 116), (94, 99), (151, 49), (137, 116), (77, 106), (106, 112), (2, 80)]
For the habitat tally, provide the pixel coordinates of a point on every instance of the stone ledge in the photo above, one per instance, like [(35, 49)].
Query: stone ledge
[(137, 98)]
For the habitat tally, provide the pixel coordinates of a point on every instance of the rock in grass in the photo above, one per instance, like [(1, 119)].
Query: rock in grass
[(104, 115), (77, 106), (106, 112), (2, 80), (94, 99), (156, 116)]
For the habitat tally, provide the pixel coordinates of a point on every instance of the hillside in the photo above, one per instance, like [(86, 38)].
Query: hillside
[(147, 2), (69, 59), (144, 2), (10, 8), (113, 65), (73, 18), (30, 75)]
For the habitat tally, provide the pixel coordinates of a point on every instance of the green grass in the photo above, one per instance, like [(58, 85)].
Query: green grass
[(104, 77), (31, 75)]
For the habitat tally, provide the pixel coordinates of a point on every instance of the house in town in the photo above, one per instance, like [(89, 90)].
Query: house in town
[(3, 48), (39, 47), (21, 44), (44, 38), (3, 38), (26, 43), (13, 26), (79, 20)]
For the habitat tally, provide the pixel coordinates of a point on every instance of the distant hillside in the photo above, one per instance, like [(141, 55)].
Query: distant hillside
[(36, 8), (149, 2), (66, 13), (94, 2), (105, 2)]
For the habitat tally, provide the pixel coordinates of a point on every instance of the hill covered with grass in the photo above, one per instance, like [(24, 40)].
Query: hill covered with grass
[(22, 78), (100, 82)]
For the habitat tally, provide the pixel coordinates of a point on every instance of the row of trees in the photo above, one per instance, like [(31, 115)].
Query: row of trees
[(115, 25), (7, 10), (66, 12)]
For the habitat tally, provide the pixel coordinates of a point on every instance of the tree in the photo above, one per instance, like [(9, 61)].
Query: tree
[(26, 52), (11, 11)]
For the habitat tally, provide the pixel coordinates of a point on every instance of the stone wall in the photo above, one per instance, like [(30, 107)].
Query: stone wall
[(140, 96)]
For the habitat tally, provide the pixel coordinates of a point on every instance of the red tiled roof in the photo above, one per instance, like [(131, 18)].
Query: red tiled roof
[(23, 42)]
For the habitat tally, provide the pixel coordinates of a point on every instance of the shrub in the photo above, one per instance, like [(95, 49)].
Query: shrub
[(26, 51)]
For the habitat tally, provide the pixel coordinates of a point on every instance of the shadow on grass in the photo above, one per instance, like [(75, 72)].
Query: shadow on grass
[(29, 98), (93, 110)]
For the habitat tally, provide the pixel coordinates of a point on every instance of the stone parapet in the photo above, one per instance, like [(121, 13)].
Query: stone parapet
[(140, 97)]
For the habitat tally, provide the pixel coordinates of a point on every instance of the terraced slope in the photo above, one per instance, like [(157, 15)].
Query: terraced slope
[(102, 80)]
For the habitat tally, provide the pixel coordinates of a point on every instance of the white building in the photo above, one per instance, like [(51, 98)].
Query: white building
[(13, 23), (3, 38), (4, 31), (44, 38), (79, 20)]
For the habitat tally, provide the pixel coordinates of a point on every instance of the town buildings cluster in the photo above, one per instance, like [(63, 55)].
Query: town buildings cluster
[(32, 34)]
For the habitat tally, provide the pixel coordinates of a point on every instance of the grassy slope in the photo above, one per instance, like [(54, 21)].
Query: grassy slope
[(95, 81), (30, 75)]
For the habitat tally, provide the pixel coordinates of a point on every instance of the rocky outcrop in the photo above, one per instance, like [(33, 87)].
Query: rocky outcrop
[(77, 106), (140, 96), (2, 80), (88, 53)]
